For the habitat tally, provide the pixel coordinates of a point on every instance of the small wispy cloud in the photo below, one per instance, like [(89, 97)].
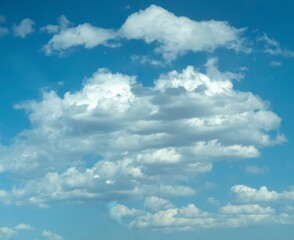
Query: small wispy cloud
[(275, 64), (273, 47), (252, 169), (147, 60)]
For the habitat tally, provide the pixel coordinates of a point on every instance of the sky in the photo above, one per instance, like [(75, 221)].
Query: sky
[(146, 120)]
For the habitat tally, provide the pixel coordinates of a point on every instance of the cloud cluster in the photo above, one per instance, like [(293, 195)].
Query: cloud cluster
[(173, 35), (7, 233), (117, 138), (189, 217)]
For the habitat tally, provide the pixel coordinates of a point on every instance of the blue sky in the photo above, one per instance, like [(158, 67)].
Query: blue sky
[(146, 120)]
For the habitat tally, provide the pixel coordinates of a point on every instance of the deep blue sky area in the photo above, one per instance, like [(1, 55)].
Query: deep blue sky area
[(146, 120)]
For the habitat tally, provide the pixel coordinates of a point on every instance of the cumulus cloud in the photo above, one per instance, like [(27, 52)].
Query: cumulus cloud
[(247, 194), (84, 35), (173, 35), (24, 28), (190, 217), (50, 235), (117, 138), (156, 203), (7, 233), (177, 35)]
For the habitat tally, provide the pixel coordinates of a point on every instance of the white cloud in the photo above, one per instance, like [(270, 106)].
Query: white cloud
[(134, 136), (25, 27), (156, 203), (119, 211), (84, 35), (63, 24), (178, 35), (247, 194), (7, 233), (275, 64), (273, 47), (174, 35), (213, 201), (190, 217), (51, 236), (246, 209), (147, 60), (252, 169), (23, 226)]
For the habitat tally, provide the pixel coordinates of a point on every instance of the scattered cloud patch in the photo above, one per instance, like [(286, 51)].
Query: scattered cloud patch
[(50, 235), (190, 217), (63, 24), (275, 64), (147, 60), (7, 233), (24, 28), (156, 203), (213, 201), (273, 47), (247, 194), (252, 169)]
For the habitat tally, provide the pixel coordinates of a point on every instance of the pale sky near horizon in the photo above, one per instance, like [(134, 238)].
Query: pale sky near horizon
[(146, 120)]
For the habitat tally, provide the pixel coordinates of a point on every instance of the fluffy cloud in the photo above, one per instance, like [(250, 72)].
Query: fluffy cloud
[(24, 28), (116, 138), (50, 235), (83, 35), (190, 217), (156, 203), (247, 194), (173, 35), (7, 233), (177, 35)]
